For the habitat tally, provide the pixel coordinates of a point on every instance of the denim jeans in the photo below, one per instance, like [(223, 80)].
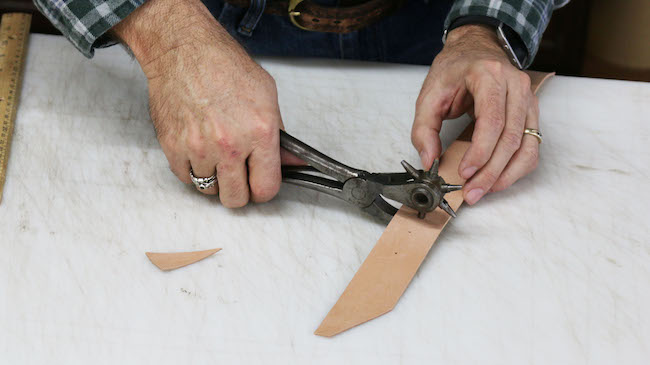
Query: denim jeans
[(410, 35)]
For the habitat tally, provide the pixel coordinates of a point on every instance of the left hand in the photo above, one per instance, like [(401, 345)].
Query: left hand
[(473, 74)]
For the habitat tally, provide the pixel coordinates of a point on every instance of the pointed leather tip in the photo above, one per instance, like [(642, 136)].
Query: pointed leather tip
[(173, 260), (329, 328), (323, 332), (335, 324)]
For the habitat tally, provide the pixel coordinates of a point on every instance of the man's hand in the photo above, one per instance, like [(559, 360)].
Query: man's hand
[(473, 74), (213, 107)]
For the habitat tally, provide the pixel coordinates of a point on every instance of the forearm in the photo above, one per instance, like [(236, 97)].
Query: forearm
[(157, 29)]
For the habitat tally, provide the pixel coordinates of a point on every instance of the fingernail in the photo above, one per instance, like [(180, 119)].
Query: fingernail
[(473, 196), (468, 172), (423, 158)]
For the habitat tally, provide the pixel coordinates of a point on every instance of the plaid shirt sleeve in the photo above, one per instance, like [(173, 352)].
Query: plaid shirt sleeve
[(84, 22), (528, 18)]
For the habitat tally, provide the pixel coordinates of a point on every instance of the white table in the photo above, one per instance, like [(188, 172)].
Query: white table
[(555, 270)]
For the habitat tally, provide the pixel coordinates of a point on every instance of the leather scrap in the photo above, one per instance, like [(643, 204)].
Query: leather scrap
[(173, 260), (389, 268)]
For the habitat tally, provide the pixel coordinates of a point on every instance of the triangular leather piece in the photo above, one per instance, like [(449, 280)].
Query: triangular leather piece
[(387, 271), (173, 260)]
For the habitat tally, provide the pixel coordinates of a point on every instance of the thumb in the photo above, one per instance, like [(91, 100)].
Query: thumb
[(288, 159)]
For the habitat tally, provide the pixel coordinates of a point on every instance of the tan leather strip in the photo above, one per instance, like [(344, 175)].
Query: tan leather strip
[(390, 266), (342, 19), (385, 274), (173, 260), (537, 79)]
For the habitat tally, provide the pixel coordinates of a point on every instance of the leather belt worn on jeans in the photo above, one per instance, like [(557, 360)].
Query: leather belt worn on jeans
[(307, 15)]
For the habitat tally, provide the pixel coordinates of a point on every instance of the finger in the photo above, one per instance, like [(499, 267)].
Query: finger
[(178, 162), (517, 100), (490, 107), (181, 168), (525, 160), (233, 183), (432, 106), (286, 157), (264, 171), (290, 159), (204, 167)]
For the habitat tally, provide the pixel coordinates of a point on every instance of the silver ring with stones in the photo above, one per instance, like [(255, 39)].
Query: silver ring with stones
[(203, 182)]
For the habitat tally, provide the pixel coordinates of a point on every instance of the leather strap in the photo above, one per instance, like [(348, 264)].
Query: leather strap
[(319, 18), (387, 271), (382, 278)]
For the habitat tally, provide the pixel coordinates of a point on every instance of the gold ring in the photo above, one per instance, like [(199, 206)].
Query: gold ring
[(535, 133)]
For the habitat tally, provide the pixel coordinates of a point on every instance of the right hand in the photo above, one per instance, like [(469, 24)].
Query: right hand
[(213, 107), (219, 114)]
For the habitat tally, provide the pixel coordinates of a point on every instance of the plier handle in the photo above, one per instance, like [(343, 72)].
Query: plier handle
[(417, 189)]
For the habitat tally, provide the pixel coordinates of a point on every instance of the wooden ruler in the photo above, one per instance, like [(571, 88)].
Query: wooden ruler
[(14, 33)]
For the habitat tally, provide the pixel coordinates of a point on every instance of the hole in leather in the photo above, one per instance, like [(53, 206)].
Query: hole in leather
[(315, 20), (337, 22)]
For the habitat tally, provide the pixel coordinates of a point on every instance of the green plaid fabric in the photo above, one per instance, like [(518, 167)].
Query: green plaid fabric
[(528, 18), (84, 22)]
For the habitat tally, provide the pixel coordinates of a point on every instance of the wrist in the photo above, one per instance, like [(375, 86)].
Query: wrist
[(159, 28), (472, 33), (510, 42)]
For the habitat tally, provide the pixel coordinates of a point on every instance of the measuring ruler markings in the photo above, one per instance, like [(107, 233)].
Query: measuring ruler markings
[(14, 33)]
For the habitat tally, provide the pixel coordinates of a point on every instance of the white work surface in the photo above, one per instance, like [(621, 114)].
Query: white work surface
[(555, 270)]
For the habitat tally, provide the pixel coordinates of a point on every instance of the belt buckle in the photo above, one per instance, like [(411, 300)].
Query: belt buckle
[(293, 13)]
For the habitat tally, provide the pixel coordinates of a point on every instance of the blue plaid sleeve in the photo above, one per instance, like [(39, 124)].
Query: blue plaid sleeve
[(85, 22), (528, 18)]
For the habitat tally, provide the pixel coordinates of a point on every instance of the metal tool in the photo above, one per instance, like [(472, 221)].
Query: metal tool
[(417, 189)]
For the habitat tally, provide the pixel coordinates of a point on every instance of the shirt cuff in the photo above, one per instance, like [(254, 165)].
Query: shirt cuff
[(85, 22), (528, 18)]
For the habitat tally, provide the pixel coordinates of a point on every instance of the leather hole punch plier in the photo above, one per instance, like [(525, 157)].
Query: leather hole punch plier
[(418, 189)]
